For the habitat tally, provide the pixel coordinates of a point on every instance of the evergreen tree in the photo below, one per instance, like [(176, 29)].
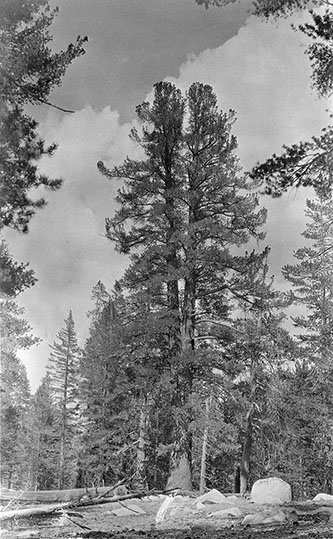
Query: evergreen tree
[(15, 334), (184, 212), (63, 372), (101, 297), (15, 397), (29, 71), (15, 440), (312, 283), (263, 353), (14, 277), (215, 445), (47, 437), (296, 435), (106, 401)]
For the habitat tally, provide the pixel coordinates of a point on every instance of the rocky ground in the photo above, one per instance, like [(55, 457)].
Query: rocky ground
[(181, 517)]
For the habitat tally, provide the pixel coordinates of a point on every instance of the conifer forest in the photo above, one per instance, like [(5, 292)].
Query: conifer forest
[(197, 369)]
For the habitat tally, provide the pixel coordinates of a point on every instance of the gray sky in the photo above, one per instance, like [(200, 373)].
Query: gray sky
[(257, 68)]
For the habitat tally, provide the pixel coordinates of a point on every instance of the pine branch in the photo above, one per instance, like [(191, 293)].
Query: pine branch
[(30, 94)]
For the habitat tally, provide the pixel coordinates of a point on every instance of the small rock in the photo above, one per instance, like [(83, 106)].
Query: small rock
[(232, 499), (272, 490), (213, 496), (291, 516), (200, 505), (263, 518), (187, 510), (184, 499), (233, 511), (129, 510)]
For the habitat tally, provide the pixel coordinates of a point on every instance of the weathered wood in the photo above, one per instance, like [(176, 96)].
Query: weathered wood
[(50, 509), (53, 496), (29, 512)]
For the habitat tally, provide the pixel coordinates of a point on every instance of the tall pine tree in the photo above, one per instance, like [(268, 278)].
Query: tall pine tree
[(182, 211), (63, 372), (106, 401), (46, 415)]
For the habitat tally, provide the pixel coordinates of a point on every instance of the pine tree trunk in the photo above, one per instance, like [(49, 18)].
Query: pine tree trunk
[(247, 446), (181, 461), (9, 482), (61, 477), (141, 480), (203, 466), (236, 486), (61, 481)]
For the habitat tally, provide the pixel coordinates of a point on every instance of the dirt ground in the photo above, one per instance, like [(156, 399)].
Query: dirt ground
[(100, 522)]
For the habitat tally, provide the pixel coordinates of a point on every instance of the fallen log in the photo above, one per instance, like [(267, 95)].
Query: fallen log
[(54, 509), (30, 512), (54, 496)]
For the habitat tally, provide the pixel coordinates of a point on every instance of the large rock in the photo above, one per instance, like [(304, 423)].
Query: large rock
[(161, 513), (271, 490), (323, 499)]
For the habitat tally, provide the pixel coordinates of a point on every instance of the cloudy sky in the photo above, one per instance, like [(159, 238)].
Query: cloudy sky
[(257, 68)]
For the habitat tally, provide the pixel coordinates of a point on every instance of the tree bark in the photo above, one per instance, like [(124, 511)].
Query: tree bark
[(247, 446), (236, 487), (141, 480), (203, 467), (180, 474)]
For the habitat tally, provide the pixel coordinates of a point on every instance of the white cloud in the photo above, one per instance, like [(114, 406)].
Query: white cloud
[(263, 74)]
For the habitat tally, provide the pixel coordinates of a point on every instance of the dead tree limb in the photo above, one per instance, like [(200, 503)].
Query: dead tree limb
[(55, 509)]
